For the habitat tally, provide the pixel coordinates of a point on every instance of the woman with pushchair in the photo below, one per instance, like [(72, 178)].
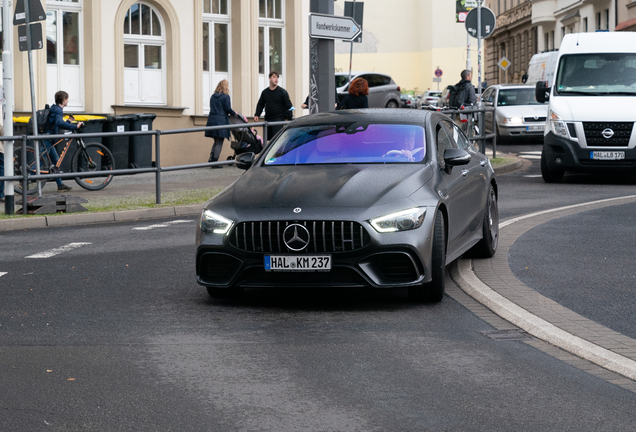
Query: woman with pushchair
[(220, 108)]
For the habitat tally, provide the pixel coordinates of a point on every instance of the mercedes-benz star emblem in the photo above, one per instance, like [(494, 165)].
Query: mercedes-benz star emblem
[(296, 237), (607, 133), (297, 210)]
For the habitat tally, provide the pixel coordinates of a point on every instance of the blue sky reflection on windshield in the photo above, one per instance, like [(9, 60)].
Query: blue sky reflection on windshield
[(349, 143)]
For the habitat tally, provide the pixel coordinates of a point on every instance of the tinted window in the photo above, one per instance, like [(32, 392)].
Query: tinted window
[(377, 80), (460, 139), (348, 143), (341, 80), (443, 142)]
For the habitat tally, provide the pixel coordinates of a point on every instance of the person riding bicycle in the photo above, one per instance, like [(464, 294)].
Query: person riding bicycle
[(55, 123)]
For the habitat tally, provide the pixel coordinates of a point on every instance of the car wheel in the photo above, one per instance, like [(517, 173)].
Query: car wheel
[(434, 290), (487, 246), (391, 104), (500, 139), (550, 176), (225, 293)]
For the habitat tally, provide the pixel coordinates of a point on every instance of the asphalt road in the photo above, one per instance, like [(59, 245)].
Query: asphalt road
[(113, 333)]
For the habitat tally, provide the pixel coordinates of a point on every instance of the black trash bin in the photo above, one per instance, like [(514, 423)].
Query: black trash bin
[(92, 124), (140, 152), (118, 145)]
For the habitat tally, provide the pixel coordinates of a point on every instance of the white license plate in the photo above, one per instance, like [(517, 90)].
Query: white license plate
[(297, 262), (535, 128), (607, 155)]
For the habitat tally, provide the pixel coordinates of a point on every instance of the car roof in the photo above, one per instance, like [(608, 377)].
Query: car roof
[(371, 115), (354, 73), (511, 86)]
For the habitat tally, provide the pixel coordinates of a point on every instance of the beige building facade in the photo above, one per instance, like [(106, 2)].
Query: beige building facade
[(409, 40), (626, 15), (166, 57)]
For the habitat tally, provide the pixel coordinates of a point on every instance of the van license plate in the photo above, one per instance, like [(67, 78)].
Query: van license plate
[(297, 263), (607, 155)]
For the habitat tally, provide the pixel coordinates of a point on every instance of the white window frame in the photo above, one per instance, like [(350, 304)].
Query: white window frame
[(214, 77), (78, 93), (141, 41), (268, 23)]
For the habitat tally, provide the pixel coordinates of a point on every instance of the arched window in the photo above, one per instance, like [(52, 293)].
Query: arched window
[(144, 56), (271, 50), (216, 46), (64, 56)]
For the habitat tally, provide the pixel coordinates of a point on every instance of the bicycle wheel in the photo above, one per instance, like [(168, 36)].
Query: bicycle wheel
[(32, 185), (95, 157)]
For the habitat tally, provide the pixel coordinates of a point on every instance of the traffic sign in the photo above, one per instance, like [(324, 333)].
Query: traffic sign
[(438, 72), (488, 22), (323, 26), (36, 12), (358, 8), (437, 79), (504, 63), (37, 42)]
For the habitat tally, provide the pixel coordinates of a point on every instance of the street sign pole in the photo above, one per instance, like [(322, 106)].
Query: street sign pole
[(351, 50), (27, 11), (7, 81), (480, 116), (322, 80)]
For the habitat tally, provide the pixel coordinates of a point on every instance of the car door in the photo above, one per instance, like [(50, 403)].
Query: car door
[(488, 115), (462, 184)]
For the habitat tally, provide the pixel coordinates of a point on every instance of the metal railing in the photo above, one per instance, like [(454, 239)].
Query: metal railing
[(475, 114), (157, 168)]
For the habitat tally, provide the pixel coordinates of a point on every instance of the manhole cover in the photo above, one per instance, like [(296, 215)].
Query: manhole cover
[(506, 335)]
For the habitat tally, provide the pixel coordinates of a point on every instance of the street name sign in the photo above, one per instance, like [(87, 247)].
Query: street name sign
[(333, 27), (488, 22)]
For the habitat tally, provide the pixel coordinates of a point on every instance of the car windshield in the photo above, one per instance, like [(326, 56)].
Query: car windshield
[(597, 74), (351, 143), (525, 96), (434, 94), (341, 80)]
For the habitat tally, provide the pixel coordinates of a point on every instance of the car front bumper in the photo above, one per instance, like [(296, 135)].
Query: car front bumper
[(562, 154), (530, 130)]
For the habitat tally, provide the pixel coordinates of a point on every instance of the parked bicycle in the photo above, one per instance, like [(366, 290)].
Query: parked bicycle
[(88, 157)]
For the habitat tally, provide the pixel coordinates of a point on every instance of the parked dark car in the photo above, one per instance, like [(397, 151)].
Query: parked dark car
[(367, 198), (406, 101)]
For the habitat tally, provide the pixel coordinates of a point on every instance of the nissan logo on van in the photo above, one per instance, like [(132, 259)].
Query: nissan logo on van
[(607, 133)]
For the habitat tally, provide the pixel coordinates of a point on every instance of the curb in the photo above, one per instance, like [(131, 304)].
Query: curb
[(510, 167), (90, 218)]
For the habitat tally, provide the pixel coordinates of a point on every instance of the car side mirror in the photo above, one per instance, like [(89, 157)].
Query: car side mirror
[(245, 160), (455, 157), (542, 91)]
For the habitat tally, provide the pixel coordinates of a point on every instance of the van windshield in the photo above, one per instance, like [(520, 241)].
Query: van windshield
[(597, 74)]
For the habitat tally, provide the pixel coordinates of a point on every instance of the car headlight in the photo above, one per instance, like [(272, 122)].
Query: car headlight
[(399, 221), (513, 120), (214, 223), (558, 126)]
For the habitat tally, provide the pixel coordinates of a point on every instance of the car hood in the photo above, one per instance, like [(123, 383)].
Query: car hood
[(322, 186), (594, 108), (523, 110)]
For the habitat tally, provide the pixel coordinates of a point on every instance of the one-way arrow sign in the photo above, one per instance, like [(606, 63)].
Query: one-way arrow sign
[(333, 27)]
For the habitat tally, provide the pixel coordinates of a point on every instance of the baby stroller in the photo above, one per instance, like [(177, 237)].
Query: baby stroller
[(245, 139)]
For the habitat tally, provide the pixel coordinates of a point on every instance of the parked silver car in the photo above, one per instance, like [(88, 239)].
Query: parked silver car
[(518, 114), (383, 91), (429, 97)]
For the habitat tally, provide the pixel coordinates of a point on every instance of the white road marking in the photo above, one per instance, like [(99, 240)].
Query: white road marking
[(57, 251), (533, 176), (2, 273), (520, 218), (162, 225), (534, 152), (533, 157)]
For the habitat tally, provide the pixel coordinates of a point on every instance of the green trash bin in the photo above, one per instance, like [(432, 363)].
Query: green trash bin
[(140, 152), (118, 145)]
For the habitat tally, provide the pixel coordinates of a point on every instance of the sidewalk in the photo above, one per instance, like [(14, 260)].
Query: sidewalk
[(144, 185)]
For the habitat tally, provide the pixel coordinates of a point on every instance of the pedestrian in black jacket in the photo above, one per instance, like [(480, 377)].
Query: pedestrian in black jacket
[(357, 97), (277, 104), (220, 108)]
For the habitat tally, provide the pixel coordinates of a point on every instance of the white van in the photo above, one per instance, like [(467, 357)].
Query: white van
[(542, 67), (592, 109)]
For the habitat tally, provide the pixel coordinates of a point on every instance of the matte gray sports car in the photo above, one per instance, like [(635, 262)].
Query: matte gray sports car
[(367, 198)]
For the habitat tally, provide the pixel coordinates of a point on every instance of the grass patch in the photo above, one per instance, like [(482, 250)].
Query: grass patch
[(499, 161), (142, 201)]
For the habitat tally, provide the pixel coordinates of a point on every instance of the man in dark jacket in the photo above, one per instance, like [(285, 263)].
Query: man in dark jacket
[(55, 123), (278, 107), (466, 91)]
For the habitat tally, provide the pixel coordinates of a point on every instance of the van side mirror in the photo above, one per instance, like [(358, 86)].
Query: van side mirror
[(542, 91), (244, 160)]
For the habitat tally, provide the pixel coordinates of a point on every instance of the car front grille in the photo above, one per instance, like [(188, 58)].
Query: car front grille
[(620, 138), (533, 119), (324, 236)]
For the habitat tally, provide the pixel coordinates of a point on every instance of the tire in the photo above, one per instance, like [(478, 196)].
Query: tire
[(487, 246), (225, 293), (434, 290), (96, 157), (392, 104), (500, 139), (550, 176), (32, 185)]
